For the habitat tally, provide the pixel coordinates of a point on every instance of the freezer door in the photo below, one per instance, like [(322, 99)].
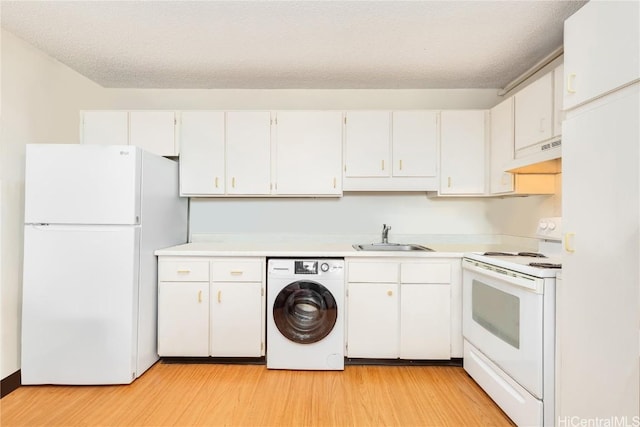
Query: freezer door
[(80, 304), (82, 184)]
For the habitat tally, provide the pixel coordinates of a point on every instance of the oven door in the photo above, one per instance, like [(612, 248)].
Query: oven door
[(502, 316)]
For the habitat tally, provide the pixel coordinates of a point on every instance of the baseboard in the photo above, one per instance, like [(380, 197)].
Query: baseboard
[(10, 383)]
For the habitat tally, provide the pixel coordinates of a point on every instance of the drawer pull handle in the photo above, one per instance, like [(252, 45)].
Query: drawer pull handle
[(199, 296), (186, 271), (390, 293), (237, 272), (219, 297)]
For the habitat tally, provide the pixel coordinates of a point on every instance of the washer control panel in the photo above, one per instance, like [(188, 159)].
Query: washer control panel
[(307, 267)]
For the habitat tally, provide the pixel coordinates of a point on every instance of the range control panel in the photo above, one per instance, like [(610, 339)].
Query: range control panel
[(550, 228)]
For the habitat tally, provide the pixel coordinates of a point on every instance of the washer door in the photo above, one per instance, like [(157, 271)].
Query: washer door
[(305, 312)]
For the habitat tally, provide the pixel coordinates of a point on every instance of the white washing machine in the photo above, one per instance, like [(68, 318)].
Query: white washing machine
[(305, 314)]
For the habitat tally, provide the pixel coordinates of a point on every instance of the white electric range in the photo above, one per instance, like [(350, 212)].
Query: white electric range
[(508, 318)]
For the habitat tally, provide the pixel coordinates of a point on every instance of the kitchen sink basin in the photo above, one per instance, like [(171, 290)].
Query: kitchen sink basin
[(390, 247)]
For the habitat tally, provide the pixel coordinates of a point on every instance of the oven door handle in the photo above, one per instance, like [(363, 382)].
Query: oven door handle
[(508, 277)]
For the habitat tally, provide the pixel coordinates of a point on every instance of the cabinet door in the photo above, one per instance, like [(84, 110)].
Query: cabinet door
[(373, 323), (202, 153), (501, 146), (105, 127), (597, 308), (425, 321), (462, 152), (415, 138), (248, 149), (153, 131), (367, 143), (309, 153), (534, 112), (558, 91), (601, 49), (236, 319), (183, 319)]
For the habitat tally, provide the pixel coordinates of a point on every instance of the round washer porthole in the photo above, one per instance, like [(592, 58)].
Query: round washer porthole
[(305, 312)]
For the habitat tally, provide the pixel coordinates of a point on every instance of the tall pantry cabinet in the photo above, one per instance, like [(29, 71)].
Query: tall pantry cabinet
[(598, 312)]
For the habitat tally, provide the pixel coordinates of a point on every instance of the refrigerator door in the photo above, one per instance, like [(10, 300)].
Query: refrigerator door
[(80, 304), (82, 184)]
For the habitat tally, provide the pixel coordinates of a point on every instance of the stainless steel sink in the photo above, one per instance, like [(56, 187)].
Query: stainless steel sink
[(390, 247)]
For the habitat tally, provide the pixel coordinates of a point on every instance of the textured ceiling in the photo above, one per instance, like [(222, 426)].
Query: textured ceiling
[(293, 44)]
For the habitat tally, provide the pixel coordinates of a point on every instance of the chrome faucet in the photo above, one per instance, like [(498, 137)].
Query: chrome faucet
[(385, 233)]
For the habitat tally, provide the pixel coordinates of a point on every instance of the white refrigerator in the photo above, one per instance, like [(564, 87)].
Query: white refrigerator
[(94, 215)]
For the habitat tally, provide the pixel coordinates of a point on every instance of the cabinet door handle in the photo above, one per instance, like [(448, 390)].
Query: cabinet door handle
[(542, 125), (233, 182), (216, 182), (199, 296), (382, 165), (570, 78), (219, 297), (400, 164), (334, 182), (449, 182), (390, 293), (567, 242)]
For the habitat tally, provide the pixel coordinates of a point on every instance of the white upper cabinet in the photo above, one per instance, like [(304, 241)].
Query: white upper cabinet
[(248, 152), (202, 165), (601, 45), (501, 146), (104, 127), (534, 113), (309, 153), (394, 151), (558, 91), (415, 142), (462, 152), (153, 131), (367, 151)]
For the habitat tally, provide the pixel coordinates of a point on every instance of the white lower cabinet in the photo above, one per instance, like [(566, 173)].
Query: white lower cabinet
[(373, 323), (211, 307), (236, 321), (183, 320), (399, 309)]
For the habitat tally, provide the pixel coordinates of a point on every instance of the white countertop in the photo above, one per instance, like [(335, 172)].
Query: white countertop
[(313, 246)]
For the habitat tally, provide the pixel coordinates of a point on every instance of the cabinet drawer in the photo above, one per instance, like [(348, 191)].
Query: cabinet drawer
[(418, 272), (183, 271), (236, 271), (373, 272)]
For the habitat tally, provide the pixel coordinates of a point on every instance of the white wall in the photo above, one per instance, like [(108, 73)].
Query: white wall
[(40, 102), (355, 213)]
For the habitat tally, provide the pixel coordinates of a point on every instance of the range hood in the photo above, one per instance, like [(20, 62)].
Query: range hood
[(547, 159)]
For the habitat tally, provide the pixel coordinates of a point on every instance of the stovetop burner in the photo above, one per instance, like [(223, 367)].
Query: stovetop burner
[(545, 265), (528, 254)]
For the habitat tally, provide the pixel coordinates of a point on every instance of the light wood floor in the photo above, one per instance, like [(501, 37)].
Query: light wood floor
[(252, 395)]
